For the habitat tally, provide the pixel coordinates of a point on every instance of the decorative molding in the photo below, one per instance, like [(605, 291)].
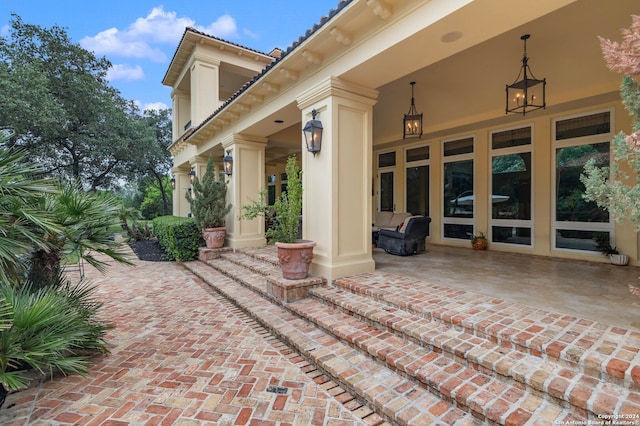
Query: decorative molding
[(380, 9), (312, 57), (242, 107), (271, 87), (291, 75), (253, 97), (340, 36)]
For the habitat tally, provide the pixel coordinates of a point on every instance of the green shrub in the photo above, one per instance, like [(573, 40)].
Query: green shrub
[(179, 237), (51, 329)]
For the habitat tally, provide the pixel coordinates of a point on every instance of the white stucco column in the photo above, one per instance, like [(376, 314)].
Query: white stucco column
[(244, 184), (337, 181), (180, 204), (205, 82)]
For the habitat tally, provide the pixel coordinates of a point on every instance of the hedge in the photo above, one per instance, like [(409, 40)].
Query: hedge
[(179, 237)]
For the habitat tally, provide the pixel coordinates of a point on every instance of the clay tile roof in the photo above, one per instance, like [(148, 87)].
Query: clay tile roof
[(333, 12)]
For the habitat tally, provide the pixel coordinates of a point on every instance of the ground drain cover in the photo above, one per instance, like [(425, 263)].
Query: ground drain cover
[(277, 389)]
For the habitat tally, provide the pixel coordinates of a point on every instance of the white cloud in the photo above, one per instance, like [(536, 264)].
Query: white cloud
[(125, 72), (224, 27), (157, 106), (118, 43), (4, 30), (138, 40)]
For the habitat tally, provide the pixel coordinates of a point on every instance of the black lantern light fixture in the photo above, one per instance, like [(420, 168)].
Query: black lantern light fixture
[(227, 163), (192, 176), (313, 134), (528, 94), (412, 121), (173, 183)]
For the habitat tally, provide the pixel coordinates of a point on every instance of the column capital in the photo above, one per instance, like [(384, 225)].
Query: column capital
[(336, 87), (238, 138)]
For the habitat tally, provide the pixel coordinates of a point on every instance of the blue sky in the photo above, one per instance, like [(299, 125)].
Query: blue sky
[(139, 37)]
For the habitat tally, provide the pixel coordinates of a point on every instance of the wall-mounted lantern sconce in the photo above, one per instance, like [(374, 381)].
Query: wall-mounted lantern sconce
[(227, 163), (412, 121), (313, 134), (173, 183), (192, 176), (528, 94)]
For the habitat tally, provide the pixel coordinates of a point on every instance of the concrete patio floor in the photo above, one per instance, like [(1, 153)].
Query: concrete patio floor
[(590, 290)]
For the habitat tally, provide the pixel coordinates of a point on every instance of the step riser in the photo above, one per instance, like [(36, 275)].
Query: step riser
[(551, 343), (554, 377), (314, 350), (453, 351)]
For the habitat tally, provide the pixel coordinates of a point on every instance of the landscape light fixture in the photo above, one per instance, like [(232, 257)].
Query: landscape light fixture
[(412, 121), (528, 94), (313, 134)]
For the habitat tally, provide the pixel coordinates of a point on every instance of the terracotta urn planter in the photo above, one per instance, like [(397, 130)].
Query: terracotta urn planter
[(480, 244), (214, 237), (295, 258)]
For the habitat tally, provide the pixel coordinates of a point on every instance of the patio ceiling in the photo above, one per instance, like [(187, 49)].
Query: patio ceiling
[(469, 86)]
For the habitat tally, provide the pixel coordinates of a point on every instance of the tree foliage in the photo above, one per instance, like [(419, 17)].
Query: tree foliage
[(621, 195), (58, 101), (208, 199)]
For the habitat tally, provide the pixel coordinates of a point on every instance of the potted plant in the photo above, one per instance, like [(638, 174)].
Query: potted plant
[(208, 201), (295, 255), (603, 245), (479, 241)]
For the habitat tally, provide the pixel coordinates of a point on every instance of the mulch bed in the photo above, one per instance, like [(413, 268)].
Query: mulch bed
[(149, 250)]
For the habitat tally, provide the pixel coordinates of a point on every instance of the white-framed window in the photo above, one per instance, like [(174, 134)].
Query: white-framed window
[(576, 222), (458, 207), (511, 204), (386, 181), (417, 180)]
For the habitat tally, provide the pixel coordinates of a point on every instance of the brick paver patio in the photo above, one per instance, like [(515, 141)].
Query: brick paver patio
[(181, 355)]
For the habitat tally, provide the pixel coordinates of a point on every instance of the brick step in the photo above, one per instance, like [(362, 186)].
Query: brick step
[(607, 353), (370, 298), (455, 365), (263, 276), (392, 396), (260, 263)]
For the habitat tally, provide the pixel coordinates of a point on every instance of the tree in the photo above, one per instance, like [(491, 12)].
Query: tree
[(621, 196), (155, 162), (23, 225), (84, 219), (155, 199), (64, 112), (208, 199)]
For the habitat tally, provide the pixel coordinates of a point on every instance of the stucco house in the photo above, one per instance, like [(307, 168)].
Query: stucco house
[(473, 167)]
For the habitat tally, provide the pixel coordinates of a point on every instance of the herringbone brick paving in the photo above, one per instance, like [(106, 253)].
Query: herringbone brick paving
[(181, 355)]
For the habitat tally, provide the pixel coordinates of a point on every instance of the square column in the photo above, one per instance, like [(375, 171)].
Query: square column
[(244, 184), (180, 204), (337, 181)]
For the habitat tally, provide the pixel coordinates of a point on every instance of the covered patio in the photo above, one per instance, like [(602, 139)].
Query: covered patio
[(589, 290)]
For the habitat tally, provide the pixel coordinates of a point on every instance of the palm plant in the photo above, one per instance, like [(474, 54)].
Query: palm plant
[(23, 226), (53, 329), (84, 219)]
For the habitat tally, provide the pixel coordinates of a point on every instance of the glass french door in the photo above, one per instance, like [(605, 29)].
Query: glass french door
[(385, 191)]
